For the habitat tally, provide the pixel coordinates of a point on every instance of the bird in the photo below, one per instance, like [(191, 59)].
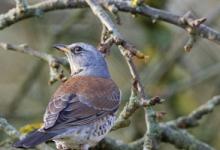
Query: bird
[(83, 109)]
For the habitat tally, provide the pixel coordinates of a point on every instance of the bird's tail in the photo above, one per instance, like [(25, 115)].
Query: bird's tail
[(33, 139)]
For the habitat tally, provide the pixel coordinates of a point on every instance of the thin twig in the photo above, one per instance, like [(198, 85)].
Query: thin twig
[(54, 62), (193, 118), (127, 112), (8, 129), (131, 107)]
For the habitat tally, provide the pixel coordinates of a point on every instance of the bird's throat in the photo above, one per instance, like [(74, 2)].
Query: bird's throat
[(97, 71)]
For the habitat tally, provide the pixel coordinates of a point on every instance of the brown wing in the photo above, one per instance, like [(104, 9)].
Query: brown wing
[(81, 100)]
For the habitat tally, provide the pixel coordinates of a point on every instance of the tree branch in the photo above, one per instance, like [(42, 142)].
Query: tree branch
[(14, 15), (193, 118), (201, 30), (14, 134), (54, 62), (130, 108), (167, 132), (182, 139), (8, 129), (21, 5)]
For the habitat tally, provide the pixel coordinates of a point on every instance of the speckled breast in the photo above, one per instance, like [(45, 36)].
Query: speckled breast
[(89, 134)]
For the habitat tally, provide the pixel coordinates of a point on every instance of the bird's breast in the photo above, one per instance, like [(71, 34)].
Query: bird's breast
[(89, 134)]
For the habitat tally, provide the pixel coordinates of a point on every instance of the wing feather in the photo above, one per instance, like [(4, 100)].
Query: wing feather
[(77, 107)]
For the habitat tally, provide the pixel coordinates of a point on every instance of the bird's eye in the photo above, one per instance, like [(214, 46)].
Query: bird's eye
[(77, 50)]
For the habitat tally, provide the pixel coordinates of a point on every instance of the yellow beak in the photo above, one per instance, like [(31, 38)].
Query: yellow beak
[(61, 47)]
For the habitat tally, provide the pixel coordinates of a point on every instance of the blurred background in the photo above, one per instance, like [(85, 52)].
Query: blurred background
[(185, 80)]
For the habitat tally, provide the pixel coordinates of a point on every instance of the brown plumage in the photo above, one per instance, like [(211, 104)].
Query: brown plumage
[(84, 98)]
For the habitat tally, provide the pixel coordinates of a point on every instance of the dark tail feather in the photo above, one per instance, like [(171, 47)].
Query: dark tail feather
[(33, 139)]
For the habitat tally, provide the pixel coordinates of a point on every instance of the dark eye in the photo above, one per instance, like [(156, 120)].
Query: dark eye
[(77, 50)]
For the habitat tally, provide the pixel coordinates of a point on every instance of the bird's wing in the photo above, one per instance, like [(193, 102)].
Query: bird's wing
[(82, 107)]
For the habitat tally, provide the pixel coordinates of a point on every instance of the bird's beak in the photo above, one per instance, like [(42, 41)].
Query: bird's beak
[(61, 47)]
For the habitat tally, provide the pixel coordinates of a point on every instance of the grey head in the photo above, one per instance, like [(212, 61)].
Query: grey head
[(84, 60)]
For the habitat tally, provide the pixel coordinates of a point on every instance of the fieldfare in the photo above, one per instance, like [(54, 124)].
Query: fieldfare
[(82, 110)]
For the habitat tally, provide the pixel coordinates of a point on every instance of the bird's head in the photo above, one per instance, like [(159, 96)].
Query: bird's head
[(84, 59)]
